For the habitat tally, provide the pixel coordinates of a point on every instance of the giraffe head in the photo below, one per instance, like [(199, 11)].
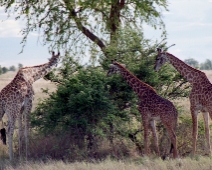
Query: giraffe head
[(114, 68), (54, 59), (161, 59)]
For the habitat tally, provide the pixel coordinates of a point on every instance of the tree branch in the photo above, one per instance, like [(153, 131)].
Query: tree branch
[(85, 31), (114, 19)]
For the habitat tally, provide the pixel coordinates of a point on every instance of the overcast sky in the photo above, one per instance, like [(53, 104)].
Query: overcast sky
[(188, 24)]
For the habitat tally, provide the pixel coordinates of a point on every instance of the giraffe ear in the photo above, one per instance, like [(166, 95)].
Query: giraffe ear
[(53, 53), (159, 50)]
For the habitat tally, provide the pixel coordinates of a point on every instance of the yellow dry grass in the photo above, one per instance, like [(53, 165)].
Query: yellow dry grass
[(143, 164)]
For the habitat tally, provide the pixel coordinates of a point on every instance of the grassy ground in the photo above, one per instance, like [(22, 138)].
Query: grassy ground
[(203, 163)]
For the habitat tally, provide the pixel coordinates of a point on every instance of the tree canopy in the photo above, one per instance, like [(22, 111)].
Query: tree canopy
[(78, 25)]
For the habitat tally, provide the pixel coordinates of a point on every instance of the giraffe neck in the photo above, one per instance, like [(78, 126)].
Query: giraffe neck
[(191, 74), (138, 86), (34, 73)]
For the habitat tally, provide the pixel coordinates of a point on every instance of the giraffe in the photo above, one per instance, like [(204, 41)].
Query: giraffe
[(152, 107), (16, 99), (200, 96)]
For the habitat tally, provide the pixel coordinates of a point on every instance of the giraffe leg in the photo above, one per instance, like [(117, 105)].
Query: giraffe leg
[(174, 142), (10, 131), (146, 134), (173, 139), (20, 133), (26, 132), (194, 114), (207, 130), (155, 137)]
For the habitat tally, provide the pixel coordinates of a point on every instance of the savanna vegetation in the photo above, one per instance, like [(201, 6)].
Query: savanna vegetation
[(90, 117)]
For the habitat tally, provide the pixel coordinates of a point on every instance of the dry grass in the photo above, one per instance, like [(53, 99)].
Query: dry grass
[(203, 163)]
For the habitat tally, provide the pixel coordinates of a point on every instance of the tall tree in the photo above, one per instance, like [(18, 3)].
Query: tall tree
[(74, 24)]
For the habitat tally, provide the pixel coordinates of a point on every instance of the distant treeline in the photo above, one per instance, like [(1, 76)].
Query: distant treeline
[(207, 65), (11, 68)]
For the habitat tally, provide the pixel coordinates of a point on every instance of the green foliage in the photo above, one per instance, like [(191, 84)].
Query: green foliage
[(82, 106), (138, 54), (92, 107), (72, 26), (87, 106)]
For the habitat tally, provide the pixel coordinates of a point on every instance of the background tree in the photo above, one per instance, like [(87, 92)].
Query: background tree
[(0, 70), (192, 62), (207, 65), (12, 68), (4, 70), (20, 65)]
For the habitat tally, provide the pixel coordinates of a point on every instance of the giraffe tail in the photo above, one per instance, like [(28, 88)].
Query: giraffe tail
[(3, 135), (172, 147)]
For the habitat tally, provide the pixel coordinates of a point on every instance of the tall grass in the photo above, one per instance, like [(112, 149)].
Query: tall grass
[(144, 163)]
